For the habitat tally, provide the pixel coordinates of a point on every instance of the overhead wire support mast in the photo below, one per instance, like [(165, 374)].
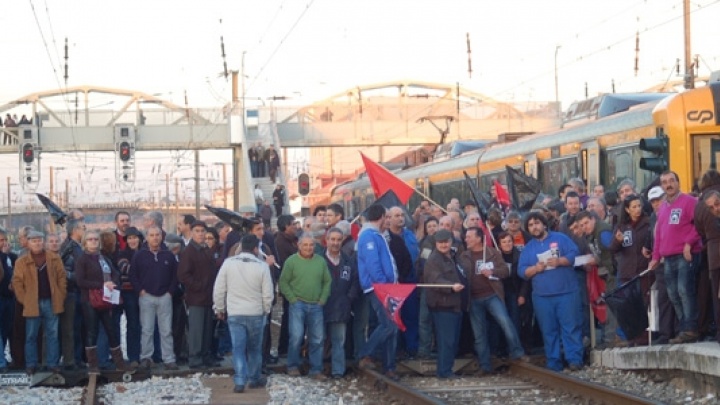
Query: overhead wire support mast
[(469, 53), (222, 53)]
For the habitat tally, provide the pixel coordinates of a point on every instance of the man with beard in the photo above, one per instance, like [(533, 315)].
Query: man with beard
[(547, 261)]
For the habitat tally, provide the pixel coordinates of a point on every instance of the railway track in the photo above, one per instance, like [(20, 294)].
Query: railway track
[(523, 379)]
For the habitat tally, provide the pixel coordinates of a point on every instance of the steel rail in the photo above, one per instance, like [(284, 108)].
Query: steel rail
[(584, 389), (402, 393)]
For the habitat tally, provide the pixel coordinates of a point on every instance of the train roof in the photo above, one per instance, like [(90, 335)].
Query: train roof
[(636, 117)]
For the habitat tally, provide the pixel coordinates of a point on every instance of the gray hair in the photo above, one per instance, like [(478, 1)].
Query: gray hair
[(335, 229), (25, 230), (73, 224), (306, 235), (578, 183), (156, 217), (626, 182), (344, 227)]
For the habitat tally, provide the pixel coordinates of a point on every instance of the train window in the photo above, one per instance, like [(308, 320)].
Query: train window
[(620, 165), (706, 154), (557, 172), (486, 180), (443, 193)]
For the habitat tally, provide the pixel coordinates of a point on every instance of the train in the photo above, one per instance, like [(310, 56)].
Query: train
[(622, 137)]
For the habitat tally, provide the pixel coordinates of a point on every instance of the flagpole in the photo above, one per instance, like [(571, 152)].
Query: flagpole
[(435, 285), (430, 200)]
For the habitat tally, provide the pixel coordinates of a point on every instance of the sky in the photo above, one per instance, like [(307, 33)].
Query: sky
[(308, 50)]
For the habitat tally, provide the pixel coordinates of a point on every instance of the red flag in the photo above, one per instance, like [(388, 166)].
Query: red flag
[(393, 296), (595, 288), (382, 180), (501, 194)]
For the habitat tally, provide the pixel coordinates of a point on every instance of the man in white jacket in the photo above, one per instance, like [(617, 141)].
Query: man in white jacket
[(243, 295)]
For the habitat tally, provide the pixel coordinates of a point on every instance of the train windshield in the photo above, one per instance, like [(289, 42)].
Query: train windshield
[(706, 154)]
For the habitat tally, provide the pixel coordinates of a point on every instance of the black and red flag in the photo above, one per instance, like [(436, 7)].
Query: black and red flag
[(382, 180), (523, 188), (393, 296)]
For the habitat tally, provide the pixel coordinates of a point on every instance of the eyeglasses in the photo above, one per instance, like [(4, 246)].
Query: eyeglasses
[(209, 238), (92, 239)]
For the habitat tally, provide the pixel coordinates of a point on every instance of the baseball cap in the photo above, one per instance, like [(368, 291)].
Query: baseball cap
[(443, 235), (655, 193)]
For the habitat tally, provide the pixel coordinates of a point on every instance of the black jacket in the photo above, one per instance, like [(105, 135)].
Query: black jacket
[(344, 289), (8, 265)]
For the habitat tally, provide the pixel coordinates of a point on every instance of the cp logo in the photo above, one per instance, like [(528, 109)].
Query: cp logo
[(702, 116)]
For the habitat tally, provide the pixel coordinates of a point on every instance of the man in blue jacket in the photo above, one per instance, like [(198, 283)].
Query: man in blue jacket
[(376, 265), (547, 261)]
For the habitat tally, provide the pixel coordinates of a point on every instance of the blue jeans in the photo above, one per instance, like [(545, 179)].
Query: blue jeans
[(49, 323), (682, 291), (3, 360), (410, 313), (495, 307), (305, 315), (7, 313), (131, 307), (247, 336), (385, 334), (425, 328), (336, 331), (447, 336), (559, 320), (359, 324)]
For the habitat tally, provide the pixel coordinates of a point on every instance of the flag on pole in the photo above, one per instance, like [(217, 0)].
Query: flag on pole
[(502, 196), (392, 297), (595, 287), (382, 180), (482, 203), (523, 188)]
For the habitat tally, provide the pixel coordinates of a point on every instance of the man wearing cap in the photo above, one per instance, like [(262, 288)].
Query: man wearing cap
[(678, 243), (243, 295), (39, 283), (446, 304), (197, 273), (667, 322)]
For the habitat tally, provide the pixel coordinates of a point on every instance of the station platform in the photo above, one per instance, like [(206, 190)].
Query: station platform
[(702, 358)]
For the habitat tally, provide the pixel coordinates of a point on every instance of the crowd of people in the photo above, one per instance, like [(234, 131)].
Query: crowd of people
[(497, 283)]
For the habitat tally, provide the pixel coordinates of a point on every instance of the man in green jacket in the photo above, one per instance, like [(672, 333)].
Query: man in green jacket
[(305, 282)]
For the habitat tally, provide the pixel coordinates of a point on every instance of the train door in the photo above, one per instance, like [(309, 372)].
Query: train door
[(620, 163), (590, 164), (531, 165), (706, 154)]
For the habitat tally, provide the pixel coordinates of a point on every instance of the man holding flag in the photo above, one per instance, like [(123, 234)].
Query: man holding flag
[(376, 265)]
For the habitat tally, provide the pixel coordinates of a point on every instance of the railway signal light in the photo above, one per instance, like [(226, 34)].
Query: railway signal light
[(658, 147), (125, 152), (304, 184), (28, 153)]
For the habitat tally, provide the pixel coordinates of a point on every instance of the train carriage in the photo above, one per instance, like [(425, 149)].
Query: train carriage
[(602, 151)]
